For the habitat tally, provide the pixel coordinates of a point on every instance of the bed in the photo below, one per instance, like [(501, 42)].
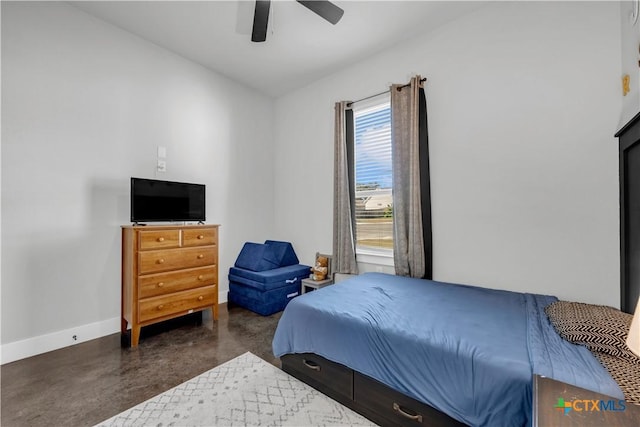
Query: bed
[(419, 352)]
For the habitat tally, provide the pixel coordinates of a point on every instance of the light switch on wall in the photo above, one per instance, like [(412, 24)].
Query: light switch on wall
[(162, 165), (162, 152)]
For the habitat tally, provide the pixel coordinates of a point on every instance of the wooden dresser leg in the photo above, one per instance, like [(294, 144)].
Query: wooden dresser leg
[(135, 335), (214, 311)]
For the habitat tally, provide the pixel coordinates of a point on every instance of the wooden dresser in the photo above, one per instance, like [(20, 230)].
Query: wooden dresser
[(167, 271)]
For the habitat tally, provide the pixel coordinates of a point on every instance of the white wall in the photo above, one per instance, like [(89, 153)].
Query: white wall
[(84, 107), (523, 102), (630, 40)]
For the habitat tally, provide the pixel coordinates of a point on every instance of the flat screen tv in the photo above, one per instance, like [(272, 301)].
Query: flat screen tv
[(153, 200)]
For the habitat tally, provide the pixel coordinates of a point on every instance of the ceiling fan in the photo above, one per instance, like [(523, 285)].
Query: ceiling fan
[(323, 8)]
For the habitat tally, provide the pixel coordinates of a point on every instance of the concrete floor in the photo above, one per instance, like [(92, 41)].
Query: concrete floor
[(87, 383)]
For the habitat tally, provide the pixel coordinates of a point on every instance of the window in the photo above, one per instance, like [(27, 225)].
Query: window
[(373, 176)]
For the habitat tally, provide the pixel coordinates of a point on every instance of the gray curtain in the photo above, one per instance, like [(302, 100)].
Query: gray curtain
[(344, 254), (408, 233)]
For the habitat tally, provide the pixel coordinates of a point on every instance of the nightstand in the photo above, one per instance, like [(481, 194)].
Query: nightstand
[(583, 407), (315, 284)]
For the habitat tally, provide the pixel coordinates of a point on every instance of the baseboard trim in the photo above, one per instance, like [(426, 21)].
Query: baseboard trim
[(22, 349)]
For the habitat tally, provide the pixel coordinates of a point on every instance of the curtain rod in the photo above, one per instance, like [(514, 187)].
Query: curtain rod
[(349, 104)]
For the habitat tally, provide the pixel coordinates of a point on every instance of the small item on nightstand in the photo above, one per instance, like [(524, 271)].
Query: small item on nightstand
[(320, 269)]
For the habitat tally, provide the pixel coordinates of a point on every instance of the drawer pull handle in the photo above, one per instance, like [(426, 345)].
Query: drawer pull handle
[(311, 365), (161, 284), (399, 410), (200, 256), (201, 277), (200, 237), (160, 261), (160, 239), (160, 307), (200, 298)]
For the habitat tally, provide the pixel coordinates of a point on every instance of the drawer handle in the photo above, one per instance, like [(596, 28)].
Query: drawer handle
[(160, 284), (200, 298), (399, 410), (160, 239), (200, 256), (160, 261), (201, 277), (200, 237), (311, 365), (161, 306)]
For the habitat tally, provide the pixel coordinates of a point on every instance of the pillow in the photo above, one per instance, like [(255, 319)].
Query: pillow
[(282, 253), (625, 373), (255, 257), (598, 327)]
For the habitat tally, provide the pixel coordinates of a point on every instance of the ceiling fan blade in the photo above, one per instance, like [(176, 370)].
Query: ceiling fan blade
[(260, 20), (325, 9)]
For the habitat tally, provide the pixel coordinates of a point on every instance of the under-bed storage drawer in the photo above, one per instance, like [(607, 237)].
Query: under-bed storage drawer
[(328, 377), (394, 407)]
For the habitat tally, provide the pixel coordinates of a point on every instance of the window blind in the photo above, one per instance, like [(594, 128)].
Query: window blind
[(373, 176)]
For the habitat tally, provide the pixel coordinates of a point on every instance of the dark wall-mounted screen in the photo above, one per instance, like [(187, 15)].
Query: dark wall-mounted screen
[(154, 200)]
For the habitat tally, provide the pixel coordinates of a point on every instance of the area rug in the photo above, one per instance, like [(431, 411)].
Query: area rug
[(245, 391)]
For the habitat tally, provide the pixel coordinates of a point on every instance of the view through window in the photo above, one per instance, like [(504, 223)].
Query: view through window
[(373, 176)]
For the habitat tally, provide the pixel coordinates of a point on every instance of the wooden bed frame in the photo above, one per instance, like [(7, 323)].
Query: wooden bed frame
[(371, 398)]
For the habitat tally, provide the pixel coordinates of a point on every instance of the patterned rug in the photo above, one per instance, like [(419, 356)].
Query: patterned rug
[(245, 391)]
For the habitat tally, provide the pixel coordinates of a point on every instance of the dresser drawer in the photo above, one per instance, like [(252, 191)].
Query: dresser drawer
[(179, 302), (328, 377), (199, 236), (174, 259), (165, 283), (395, 407), (159, 239)]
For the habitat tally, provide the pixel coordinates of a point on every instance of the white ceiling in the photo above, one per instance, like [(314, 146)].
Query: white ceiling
[(301, 47)]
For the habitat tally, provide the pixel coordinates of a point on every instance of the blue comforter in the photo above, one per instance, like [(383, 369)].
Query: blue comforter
[(470, 352)]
